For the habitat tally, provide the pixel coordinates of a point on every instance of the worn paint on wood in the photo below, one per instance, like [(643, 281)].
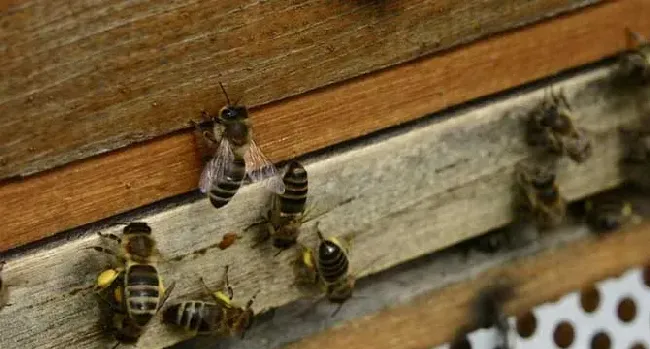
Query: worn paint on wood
[(400, 196), (81, 78), (82, 192)]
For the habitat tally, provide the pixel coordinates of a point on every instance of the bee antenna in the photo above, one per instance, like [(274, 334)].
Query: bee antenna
[(225, 93), (116, 345)]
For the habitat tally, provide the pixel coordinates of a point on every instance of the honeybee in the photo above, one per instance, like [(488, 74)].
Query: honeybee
[(329, 269), (635, 64), (551, 127), (221, 317), (236, 156), (136, 291), (4, 288), (287, 211), (540, 194), (608, 215)]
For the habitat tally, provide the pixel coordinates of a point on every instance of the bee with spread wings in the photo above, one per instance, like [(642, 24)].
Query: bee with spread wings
[(237, 156)]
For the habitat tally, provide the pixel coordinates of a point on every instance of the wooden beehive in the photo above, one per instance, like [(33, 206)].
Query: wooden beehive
[(408, 115)]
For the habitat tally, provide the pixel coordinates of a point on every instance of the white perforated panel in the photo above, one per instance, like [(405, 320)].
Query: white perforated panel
[(617, 316)]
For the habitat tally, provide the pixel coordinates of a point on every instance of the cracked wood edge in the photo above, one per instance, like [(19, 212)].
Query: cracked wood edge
[(83, 78), (400, 206), (432, 319), (80, 193)]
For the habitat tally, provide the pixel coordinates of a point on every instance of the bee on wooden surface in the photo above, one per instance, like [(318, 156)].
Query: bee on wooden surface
[(142, 292), (287, 211), (220, 317), (635, 64), (236, 156), (551, 127), (540, 194), (604, 216), (328, 268)]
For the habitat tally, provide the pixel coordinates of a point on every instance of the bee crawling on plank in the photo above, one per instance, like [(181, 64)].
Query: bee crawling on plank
[(551, 127), (604, 215), (635, 64), (288, 212), (329, 268), (539, 194), (219, 317), (235, 157), (133, 290)]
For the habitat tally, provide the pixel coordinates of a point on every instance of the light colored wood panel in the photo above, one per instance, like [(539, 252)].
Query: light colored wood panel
[(167, 166), (84, 77), (400, 206), (433, 318)]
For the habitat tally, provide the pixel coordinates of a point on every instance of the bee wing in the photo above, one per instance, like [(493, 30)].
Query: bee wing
[(217, 167), (260, 168)]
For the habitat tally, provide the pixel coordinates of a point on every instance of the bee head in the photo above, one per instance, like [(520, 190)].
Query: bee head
[(232, 113), (295, 169), (137, 228), (543, 180)]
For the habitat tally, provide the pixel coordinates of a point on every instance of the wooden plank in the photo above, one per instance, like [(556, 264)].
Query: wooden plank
[(84, 78), (81, 192), (357, 192), (540, 278)]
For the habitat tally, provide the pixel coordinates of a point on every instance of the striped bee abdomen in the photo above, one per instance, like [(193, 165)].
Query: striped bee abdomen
[(292, 201), (225, 188), (194, 316), (142, 292), (332, 262)]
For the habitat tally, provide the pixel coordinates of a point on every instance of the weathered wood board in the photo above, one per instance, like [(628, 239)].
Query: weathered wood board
[(401, 194), (168, 166), (83, 77)]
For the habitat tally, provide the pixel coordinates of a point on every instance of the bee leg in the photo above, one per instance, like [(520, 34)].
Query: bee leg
[(336, 311), (166, 294), (106, 251), (110, 236)]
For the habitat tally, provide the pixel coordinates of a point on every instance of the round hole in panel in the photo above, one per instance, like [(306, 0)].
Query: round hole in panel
[(526, 325), (626, 309), (638, 346), (589, 299), (563, 334), (601, 341)]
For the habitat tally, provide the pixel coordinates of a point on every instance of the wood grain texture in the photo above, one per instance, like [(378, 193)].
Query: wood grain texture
[(433, 318), (84, 77), (399, 206), (82, 192)]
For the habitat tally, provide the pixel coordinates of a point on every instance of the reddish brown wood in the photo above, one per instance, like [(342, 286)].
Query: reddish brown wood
[(82, 77)]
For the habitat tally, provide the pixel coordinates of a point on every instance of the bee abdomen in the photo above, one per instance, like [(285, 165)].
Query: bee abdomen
[(225, 188), (332, 262), (293, 200), (194, 316), (142, 291)]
